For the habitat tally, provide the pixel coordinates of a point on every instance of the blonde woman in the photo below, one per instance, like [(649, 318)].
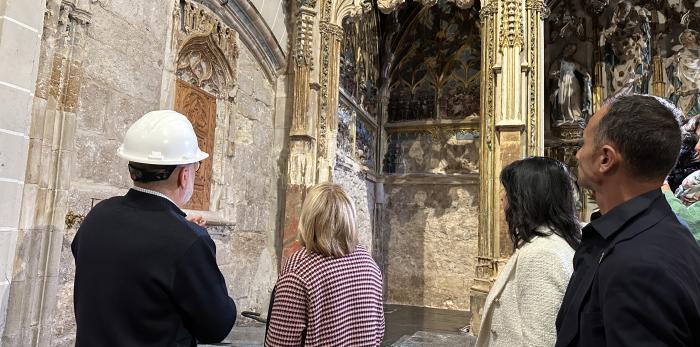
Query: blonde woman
[(330, 291)]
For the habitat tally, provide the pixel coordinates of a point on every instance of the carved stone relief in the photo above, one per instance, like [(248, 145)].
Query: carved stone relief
[(206, 49), (437, 150), (630, 46), (359, 61), (206, 56)]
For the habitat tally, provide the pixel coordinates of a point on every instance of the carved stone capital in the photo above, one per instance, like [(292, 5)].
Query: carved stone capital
[(538, 6), (330, 28), (488, 10)]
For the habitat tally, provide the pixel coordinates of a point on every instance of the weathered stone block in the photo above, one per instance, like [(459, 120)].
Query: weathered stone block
[(14, 115), (27, 12), (122, 111), (9, 204), (121, 72), (152, 16), (8, 243), (431, 235), (93, 106), (18, 47), (13, 156)]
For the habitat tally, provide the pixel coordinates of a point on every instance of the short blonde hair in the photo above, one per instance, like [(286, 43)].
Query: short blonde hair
[(327, 221)]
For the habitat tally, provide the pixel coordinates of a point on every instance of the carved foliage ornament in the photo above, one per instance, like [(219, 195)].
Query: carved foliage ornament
[(388, 6), (206, 48), (329, 32), (198, 65)]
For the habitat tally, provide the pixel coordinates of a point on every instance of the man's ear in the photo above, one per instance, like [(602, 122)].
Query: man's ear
[(608, 160), (182, 176)]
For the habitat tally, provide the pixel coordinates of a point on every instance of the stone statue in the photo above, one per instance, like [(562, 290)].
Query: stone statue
[(630, 75), (683, 72), (626, 43), (571, 100), (565, 25)]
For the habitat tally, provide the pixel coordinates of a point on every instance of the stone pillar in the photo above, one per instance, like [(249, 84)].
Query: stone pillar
[(331, 39), (301, 165), (512, 79), (20, 33), (312, 134), (44, 211)]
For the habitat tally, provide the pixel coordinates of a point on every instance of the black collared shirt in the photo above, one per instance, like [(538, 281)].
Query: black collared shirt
[(636, 280)]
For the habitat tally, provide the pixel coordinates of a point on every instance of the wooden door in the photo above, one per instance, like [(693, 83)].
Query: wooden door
[(200, 109)]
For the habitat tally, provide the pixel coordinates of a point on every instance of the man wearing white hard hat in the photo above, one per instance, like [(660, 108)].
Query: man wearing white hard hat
[(145, 274)]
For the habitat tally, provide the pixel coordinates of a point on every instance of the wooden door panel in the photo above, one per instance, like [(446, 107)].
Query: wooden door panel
[(200, 109)]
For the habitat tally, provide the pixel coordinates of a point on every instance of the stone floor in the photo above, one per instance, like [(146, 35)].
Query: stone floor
[(406, 326), (410, 326)]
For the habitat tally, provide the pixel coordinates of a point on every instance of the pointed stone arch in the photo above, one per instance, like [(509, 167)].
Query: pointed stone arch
[(202, 63)]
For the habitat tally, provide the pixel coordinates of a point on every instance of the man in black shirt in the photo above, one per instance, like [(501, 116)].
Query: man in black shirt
[(636, 278), (145, 275)]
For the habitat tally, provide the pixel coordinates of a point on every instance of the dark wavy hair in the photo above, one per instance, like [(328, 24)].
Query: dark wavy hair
[(540, 192)]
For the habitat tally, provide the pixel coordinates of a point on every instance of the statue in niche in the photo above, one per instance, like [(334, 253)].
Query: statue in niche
[(571, 100), (683, 71), (626, 45)]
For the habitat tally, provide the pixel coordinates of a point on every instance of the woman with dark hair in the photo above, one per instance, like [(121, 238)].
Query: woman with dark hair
[(540, 210)]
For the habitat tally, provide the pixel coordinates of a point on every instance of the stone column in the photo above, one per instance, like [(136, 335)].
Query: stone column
[(47, 180), (512, 79), (312, 135), (301, 165), (20, 33), (331, 40)]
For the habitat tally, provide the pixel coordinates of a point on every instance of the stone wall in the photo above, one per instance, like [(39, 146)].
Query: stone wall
[(128, 68), (20, 31), (124, 46), (430, 232), (361, 189)]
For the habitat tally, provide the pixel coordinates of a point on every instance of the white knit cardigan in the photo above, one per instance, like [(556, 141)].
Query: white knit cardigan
[(523, 303)]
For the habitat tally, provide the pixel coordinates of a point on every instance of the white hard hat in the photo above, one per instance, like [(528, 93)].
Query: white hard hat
[(161, 137)]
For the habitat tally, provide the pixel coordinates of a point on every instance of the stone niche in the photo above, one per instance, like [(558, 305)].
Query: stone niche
[(430, 234)]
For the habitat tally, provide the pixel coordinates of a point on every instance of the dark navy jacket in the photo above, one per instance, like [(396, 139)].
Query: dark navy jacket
[(636, 280), (145, 276)]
